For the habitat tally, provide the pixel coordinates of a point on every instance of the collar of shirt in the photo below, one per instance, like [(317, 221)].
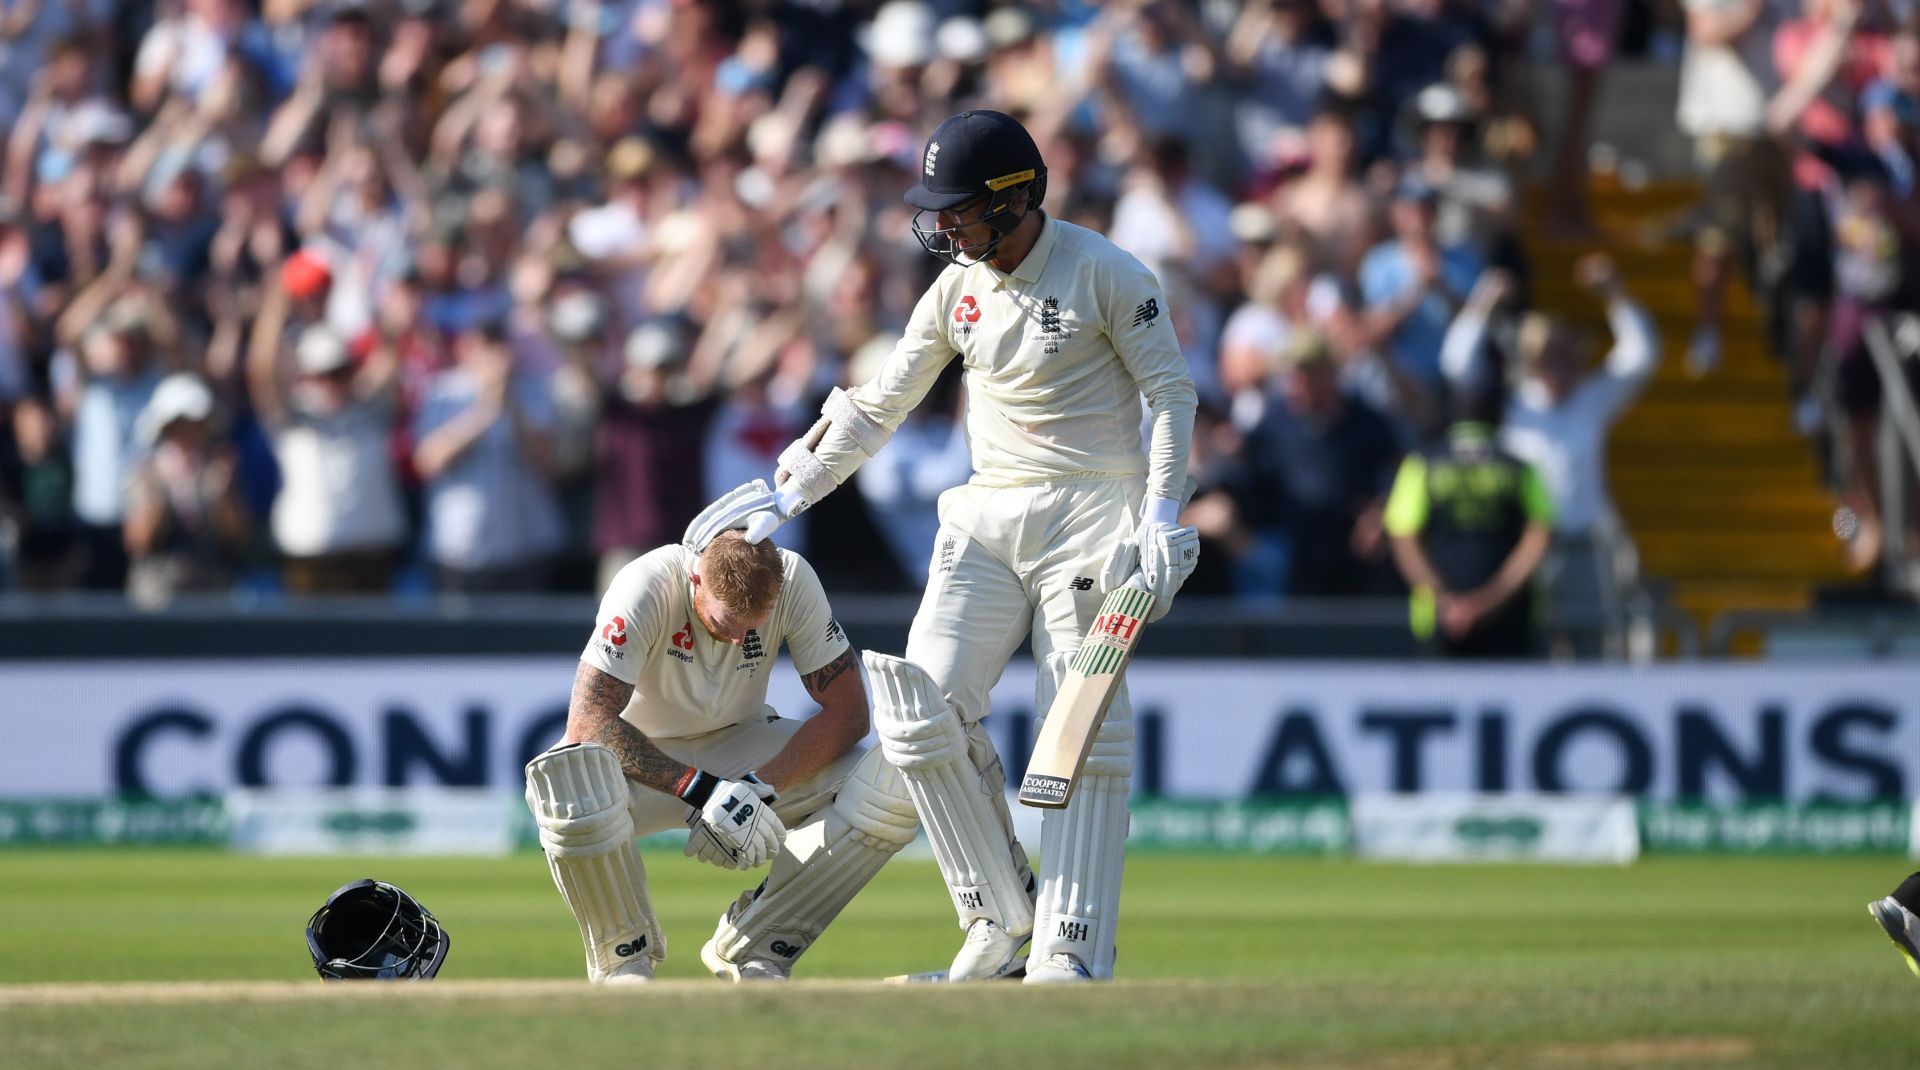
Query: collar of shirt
[(1030, 266)]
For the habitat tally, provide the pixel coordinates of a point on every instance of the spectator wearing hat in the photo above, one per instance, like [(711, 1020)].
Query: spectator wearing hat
[(1473, 200), (1412, 283), (1558, 418), (1316, 471), (338, 520), (649, 468), (187, 525), (483, 448)]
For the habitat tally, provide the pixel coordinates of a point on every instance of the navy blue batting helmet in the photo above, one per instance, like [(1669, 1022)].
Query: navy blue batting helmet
[(370, 930)]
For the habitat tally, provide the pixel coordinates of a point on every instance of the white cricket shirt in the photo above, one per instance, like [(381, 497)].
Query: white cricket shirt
[(1057, 353), (686, 682)]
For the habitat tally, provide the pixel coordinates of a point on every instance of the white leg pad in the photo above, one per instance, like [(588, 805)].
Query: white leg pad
[(824, 863), (1083, 848), (961, 800), (578, 796)]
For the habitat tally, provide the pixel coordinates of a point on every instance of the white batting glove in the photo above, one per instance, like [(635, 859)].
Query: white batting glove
[(735, 827), (787, 503), (734, 509), (1158, 558)]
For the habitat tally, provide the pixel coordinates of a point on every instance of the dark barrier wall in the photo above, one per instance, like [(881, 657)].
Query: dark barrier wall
[(90, 627)]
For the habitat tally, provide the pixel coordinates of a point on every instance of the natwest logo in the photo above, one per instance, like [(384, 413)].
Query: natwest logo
[(967, 311), (684, 637), (615, 631)]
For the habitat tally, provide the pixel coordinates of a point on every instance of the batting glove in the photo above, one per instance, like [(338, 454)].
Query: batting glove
[(734, 826)]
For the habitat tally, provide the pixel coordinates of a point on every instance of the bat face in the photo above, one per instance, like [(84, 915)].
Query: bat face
[(1081, 705)]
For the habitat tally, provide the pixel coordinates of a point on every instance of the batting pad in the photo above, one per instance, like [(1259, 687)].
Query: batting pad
[(823, 864), (961, 805), (579, 799), (1083, 848)]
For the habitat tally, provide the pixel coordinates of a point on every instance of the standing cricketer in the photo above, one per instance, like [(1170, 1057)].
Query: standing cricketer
[(669, 727), (1061, 333)]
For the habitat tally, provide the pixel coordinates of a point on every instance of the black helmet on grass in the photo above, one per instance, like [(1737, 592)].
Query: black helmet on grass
[(977, 155), (372, 931)]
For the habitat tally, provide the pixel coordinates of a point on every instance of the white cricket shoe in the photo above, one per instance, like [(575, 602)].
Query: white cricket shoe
[(1057, 969), (989, 953), (1902, 927), (637, 972), (753, 969)]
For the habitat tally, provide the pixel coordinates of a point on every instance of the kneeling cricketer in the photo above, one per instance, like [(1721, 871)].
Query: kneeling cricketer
[(669, 727)]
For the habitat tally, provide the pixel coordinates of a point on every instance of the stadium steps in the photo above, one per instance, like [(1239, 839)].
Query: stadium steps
[(1724, 499)]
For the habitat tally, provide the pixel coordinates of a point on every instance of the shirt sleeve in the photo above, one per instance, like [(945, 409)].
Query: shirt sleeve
[(1631, 362), (812, 635), (1463, 351), (1534, 499), (1141, 330), (1406, 513), (903, 380), (629, 623)]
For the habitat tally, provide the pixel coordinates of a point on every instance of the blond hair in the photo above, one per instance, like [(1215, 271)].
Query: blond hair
[(744, 576)]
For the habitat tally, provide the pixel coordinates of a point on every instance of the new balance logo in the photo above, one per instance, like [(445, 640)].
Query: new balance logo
[(627, 951), (1082, 583), (1146, 311), (784, 949), (1073, 930)]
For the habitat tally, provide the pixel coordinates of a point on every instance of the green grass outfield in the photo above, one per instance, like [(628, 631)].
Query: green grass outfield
[(1225, 962)]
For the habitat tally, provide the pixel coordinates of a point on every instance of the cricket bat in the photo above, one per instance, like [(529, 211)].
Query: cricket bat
[(1082, 702)]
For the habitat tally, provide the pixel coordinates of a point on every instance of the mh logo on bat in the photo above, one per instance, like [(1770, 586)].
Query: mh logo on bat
[(1118, 626)]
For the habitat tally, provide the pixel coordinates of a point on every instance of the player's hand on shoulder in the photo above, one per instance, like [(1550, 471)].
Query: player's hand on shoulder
[(736, 827)]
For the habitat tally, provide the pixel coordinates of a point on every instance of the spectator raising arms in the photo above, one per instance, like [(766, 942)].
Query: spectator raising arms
[(483, 447), (1558, 417), (338, 519)]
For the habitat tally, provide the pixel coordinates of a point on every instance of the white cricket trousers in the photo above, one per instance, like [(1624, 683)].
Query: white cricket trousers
[(1014, 560), (1009, 561)]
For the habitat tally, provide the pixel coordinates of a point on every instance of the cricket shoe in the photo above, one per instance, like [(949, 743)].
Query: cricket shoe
[(752, 969), (637, 972), (990, 953), (1902, 927), (1059, 968)]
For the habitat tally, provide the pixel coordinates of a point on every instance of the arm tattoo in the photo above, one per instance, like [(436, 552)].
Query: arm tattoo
[(821, 678), (595, 709)]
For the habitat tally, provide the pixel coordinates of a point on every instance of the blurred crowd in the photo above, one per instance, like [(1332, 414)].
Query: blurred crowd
[(492, 295), (1806, 125)]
